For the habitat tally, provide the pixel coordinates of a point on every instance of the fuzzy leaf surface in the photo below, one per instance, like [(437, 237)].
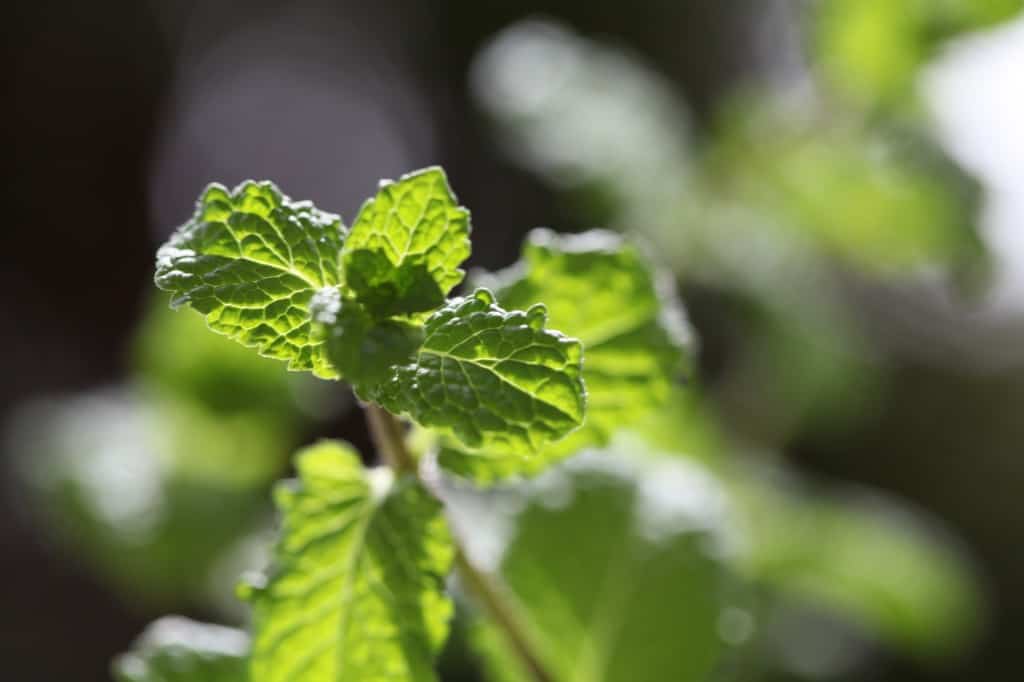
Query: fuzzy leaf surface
[(357, 588), (406, 245), (250, 260)]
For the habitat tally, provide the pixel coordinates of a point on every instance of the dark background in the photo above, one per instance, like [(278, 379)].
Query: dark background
[(118, 112)]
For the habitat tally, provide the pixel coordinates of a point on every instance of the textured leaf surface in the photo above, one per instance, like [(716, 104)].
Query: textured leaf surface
[(600, 290), (250, 260), (175, 649), (365, 350), (620, 581), (356, 592), (501, 382), (406, 245)]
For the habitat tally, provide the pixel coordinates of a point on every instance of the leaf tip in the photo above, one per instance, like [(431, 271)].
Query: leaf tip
[(537, 316), (484, 296)]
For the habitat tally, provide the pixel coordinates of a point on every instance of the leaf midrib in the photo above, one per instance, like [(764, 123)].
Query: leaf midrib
[(499, 377), (346, 596)]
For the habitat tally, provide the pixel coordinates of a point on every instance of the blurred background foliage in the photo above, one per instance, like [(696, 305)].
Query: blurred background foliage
[(835, 494)]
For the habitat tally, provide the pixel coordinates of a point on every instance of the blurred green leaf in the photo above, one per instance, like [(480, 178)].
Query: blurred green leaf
[(872, 50), (591, 118), (683, 423), (177, 354), (885, 204), (616, 574), (250, 260), (861, 556), (357, 587), (176, 649), (405, 247), (151, 492)]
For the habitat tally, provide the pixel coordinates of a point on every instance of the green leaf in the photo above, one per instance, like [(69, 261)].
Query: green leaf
[(857, 555), (176, 354), (125, 480), (499, 381), (863, 557), (872, 50), (405, 247), (176, 649), (250, 260), (838, 189), (601, 291), (365, 350), (356, 592), (620, 580)]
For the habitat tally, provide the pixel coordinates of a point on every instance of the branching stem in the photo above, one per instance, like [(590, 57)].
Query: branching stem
[(386, 432)]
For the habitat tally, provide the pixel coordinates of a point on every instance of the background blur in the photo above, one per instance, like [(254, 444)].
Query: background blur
[(838, 187)]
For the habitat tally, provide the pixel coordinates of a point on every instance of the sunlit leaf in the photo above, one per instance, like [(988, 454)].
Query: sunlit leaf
[(405, 247), (356, 588), (250, 260), (615, 573), (886, 204), (499, 381), (872, 50)]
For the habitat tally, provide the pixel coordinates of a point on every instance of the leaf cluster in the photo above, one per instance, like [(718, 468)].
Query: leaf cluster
[(619, 568)]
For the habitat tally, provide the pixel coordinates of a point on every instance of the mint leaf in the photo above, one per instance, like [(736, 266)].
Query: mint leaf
[(168, 468), (499, 381), (405, 247), (176, 649), (356, 592), (175, 354), (600, 290), (620, 581), (365, 350), (250, 260), (861, 556)]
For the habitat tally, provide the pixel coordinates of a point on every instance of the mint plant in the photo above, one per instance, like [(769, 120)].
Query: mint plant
[(357, 586), (661, 552)]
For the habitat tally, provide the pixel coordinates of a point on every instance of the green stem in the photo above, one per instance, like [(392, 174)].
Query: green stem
[(498, 608), (386, 432)]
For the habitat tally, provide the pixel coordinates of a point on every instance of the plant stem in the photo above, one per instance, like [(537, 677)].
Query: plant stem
[(489, 594), (386, 432)]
